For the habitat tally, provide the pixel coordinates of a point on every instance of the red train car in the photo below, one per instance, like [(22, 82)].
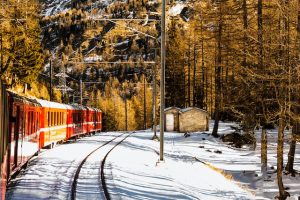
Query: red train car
[(54, 122), (94, 117), (24, 129), (27, 125)]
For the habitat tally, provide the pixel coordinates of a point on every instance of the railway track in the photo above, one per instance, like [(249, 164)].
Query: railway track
[(85, 177)]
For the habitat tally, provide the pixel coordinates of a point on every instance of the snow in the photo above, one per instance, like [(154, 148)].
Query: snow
[(93, 58), (176, 10), (141, 176), (53, 7), (192, 169)]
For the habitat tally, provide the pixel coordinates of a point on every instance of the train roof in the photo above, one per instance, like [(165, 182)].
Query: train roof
[(48, 104), (23, 99), (78, 106), (51, 104), (93, 109)]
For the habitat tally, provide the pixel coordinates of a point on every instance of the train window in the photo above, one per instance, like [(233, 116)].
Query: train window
[(37, 122), (56, 118), (27, 123), (32, 122), (48, 118), (52, 118)]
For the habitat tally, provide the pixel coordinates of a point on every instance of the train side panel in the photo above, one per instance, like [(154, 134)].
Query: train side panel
[(55, 128), (24, 125), (4, 140)]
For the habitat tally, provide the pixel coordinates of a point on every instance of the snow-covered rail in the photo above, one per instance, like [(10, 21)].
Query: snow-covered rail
[(86, 179)]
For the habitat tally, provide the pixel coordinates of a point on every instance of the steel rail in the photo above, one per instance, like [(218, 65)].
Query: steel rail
[(103, 182), (76, 176)]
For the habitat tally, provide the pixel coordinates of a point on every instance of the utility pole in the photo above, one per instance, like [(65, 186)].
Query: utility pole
[(145, 110), (51, 81), (194, 75), (126, 119), (162, 79), (80, 84), (154, 98), (1, 57)]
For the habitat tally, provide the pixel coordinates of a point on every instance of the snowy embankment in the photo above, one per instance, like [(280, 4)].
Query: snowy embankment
[(137, 174)]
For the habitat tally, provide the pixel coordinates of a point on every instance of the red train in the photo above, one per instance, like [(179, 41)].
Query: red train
[(27, 125)]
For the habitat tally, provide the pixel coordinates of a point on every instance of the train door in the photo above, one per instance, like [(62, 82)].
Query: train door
[(21, 134), (15, 138)]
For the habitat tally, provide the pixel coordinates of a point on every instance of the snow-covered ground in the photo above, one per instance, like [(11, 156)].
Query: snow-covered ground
[(53, 7), (196, 167)]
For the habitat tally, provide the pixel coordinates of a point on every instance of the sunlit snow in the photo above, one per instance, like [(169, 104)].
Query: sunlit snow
[(133, 169)]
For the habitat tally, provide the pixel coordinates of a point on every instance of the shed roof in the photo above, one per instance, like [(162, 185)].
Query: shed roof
[(192, 108), (171, 108)]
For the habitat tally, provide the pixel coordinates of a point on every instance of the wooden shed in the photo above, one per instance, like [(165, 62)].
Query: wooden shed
[(172, 119), (193, 119)]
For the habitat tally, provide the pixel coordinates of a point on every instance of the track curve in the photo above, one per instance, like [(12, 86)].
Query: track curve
[(102, 184)]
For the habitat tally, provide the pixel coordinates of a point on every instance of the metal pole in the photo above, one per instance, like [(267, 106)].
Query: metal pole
[(80, 91), (162, 78), (145, 111), (126, 120), (1, 51), (154, 98), (51, 81)]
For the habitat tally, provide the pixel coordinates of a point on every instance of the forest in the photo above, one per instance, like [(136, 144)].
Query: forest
[(239, 60)]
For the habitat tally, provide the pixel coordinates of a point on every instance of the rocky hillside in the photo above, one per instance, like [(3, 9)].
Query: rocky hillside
[(78, 37)]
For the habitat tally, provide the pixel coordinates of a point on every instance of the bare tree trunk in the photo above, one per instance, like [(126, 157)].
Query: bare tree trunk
[(291, 156), (264, 151), (245, 21), (260, 32), (296, 126), (217, 76), (282, 193)]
